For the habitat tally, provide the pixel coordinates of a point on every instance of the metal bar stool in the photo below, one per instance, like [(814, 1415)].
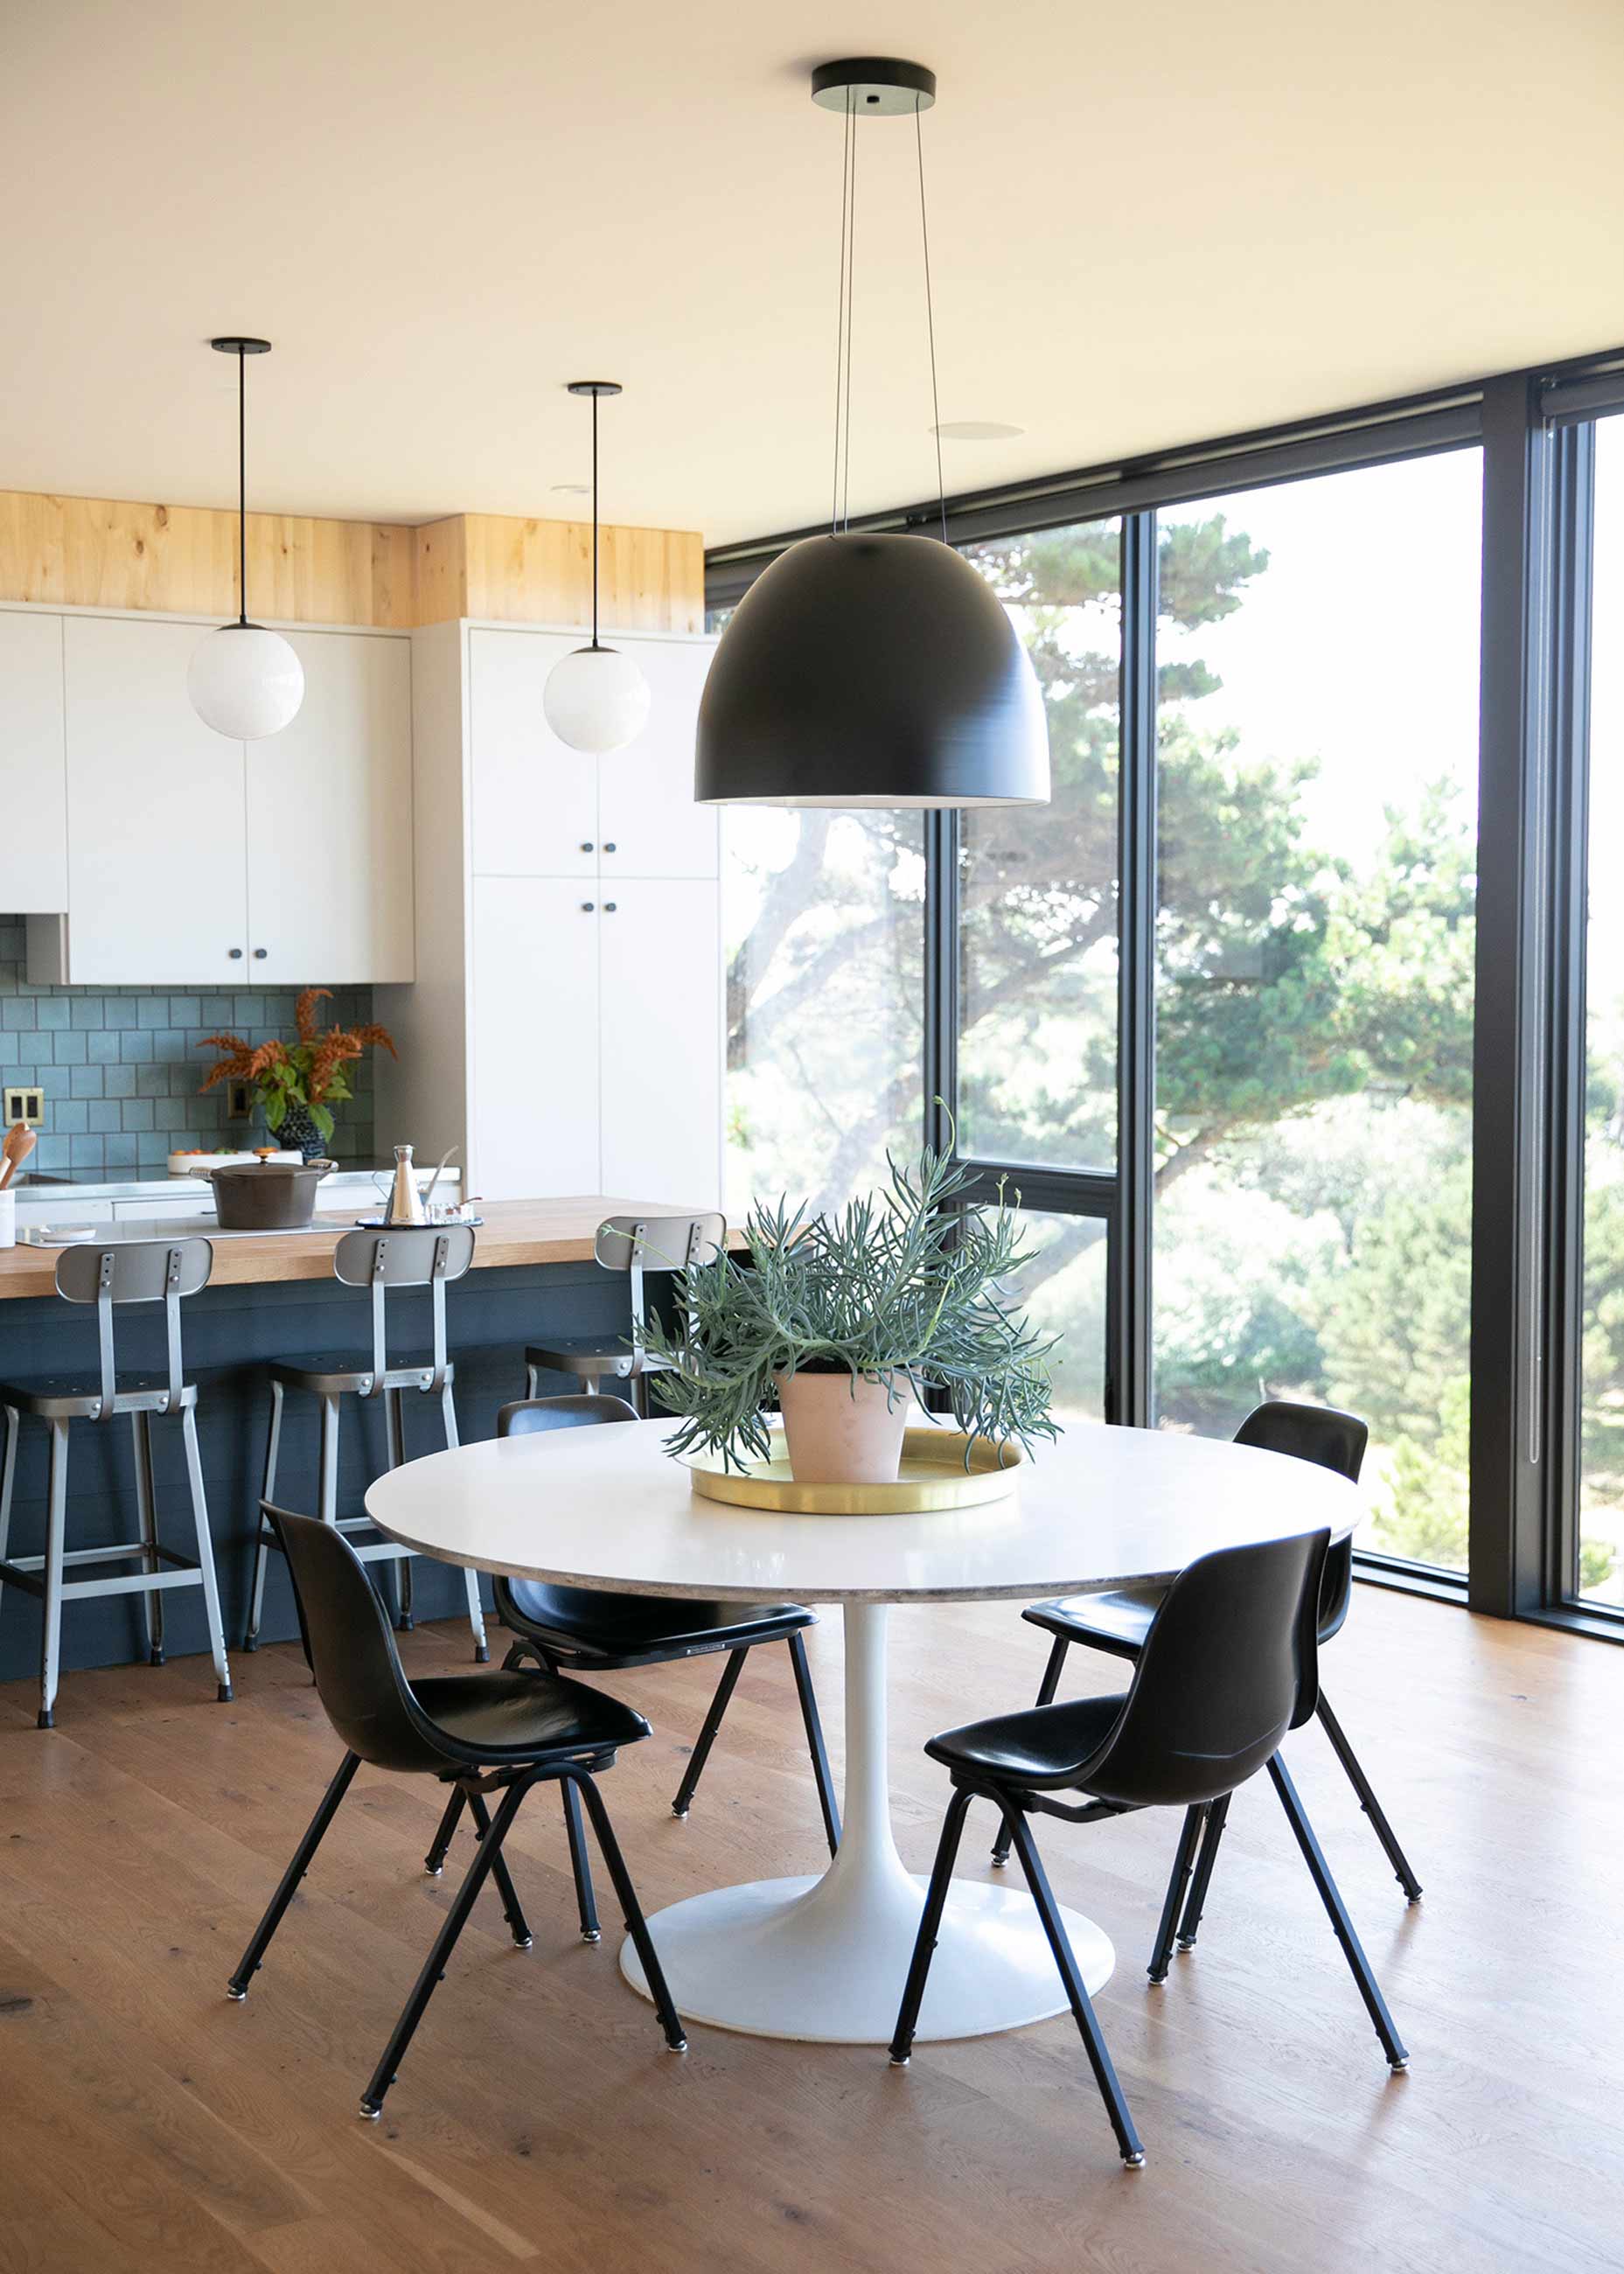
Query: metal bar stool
[(137, 1271), (635, 1245), (412, 1256)]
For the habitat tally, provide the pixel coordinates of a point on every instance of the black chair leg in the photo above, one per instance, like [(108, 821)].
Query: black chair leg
[(930, 1925), (434, 1862), (814, 1743), (1217, 1816), (434, 1965), (631, 1910), (701, 1753), (1076, 1989), (1392, 2044), (1368, 1801), (513, 1911), (1045, 1697), (1184, 1866), (580, 1864), (259, 1941)]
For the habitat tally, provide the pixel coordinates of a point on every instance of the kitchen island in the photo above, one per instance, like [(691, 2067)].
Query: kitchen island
[(273, 1295)]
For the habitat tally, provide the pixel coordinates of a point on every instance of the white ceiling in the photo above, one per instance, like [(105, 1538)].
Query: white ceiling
[(1150, 222)]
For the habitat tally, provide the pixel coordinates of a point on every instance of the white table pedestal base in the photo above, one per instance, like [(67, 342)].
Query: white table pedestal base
[(824, 1960)]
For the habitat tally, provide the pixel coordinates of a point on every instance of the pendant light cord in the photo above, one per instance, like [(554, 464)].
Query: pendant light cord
[(930, 320), (839, 500), (242, 491), (594, 519)]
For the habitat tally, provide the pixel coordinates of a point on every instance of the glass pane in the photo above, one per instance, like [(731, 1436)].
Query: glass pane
[(1037, 977), (1601, 1453), (1063, 1292), (1318, 756), (824, 917)]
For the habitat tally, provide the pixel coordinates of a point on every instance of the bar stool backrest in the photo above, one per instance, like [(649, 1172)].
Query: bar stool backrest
[(1332, 1439), (1230, 1663), (426, 1255), (657, 1243), (135, 1271)]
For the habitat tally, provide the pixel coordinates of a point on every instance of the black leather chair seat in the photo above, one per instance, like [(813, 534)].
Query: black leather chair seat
[(1116, 1621), (522, 1716), (587, 1626), (1040, 1747)]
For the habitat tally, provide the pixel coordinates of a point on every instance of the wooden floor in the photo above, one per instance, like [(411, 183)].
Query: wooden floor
[(148, 2123)]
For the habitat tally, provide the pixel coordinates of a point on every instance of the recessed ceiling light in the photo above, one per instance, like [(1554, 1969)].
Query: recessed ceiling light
[(976, 429), (572, 489)]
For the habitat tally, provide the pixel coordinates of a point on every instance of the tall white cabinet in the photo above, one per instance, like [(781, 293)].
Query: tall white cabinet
[(566, 1029)]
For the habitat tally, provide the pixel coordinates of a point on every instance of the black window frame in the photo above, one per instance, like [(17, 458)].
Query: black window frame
[(1535, 428)]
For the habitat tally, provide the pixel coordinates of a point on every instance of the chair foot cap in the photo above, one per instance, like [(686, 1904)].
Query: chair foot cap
[(1398, 2067), (680, 2047), (1185, 1942), (154, 1658), (591, 1934), (236, 1995), (433, 1871), (224, 1694), (482, 1655), (900, 2061), (999, 1863), (371, 2113), (524, 1941), (1156, 1981), (680, 1814), (251, 1643), (46, 1720), (1413, 1900), (1135, 2163)]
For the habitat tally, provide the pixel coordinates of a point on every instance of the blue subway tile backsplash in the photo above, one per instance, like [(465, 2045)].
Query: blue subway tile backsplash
[(121, 1067)]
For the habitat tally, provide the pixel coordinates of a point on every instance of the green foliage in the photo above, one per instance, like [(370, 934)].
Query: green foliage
[(904, 1285)]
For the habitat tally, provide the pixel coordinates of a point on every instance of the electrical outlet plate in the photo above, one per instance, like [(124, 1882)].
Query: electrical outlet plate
[(25, 1105), (239, 1100)]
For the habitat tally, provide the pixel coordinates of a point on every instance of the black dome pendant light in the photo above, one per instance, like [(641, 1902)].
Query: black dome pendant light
[(863, 669)]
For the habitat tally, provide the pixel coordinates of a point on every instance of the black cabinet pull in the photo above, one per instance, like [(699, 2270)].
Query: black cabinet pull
[(586, 845), (610, 846), (586, 907), (235, 954), (260, 953), (609, 907)]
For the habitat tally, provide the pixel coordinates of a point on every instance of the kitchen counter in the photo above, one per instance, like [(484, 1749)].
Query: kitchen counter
[(513, 1233), (274, 1296)]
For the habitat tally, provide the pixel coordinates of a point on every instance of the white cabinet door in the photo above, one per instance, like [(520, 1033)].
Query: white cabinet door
[(156, 846), (651, 824), (34, 774), (661, 1086), (534, 799), (329, 822), (533, 1119)]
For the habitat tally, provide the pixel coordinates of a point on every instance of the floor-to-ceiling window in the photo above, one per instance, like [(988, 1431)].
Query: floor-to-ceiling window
[(1317, 752), (1599, 1577)]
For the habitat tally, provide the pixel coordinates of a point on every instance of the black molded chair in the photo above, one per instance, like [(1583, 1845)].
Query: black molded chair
[(494, 1732), (1118, 1621), (1229, 1665), (591, 1631)]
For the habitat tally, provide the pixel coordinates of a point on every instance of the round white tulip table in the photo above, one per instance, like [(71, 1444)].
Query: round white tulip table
[(826, 1958)]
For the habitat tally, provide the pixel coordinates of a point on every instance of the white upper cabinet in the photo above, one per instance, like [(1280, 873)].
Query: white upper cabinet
[(330, 821), (645, 793), (156, 837), (535, 800), (33, 782)]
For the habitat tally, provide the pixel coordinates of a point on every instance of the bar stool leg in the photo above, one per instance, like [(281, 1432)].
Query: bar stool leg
[(256, 1601), (206, 1556), (50, 1641), (328, 1504), (145, 1501), (476, 1611), (532, 1382), (8, 1477), (394, 1444)]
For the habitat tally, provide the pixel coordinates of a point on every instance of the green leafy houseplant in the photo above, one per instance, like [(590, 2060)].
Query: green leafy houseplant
[(903, 1289)]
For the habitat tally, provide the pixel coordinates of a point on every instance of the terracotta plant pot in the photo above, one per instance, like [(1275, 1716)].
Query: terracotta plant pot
[(843, 1429)]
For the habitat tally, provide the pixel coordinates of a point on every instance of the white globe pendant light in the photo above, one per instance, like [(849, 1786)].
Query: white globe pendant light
[(244, 681), (595, 699)]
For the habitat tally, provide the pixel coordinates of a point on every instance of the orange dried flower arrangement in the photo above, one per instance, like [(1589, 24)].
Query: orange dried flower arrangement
[(303, 1077)]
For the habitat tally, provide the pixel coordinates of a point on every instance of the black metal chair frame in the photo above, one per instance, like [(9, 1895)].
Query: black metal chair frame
[(533, 1647), (473, 1775), (1016, 1801), (1068, 1627)]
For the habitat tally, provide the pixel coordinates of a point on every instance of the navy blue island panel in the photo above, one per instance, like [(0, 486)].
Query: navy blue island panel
[(231, 1332)]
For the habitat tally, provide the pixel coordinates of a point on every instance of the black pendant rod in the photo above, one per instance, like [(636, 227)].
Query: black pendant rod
[(242, 347), (594, 521), (930, 320)]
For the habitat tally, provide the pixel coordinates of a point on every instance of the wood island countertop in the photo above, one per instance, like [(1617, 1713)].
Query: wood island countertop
[(514, 1232)]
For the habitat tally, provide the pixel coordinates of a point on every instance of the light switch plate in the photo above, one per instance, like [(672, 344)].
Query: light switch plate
[(26, 1105)]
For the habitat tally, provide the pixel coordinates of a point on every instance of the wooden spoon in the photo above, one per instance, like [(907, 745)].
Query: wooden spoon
[(15, 1148)]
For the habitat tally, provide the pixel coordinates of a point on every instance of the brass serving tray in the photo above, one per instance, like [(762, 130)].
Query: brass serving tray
[(933, 1475)]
